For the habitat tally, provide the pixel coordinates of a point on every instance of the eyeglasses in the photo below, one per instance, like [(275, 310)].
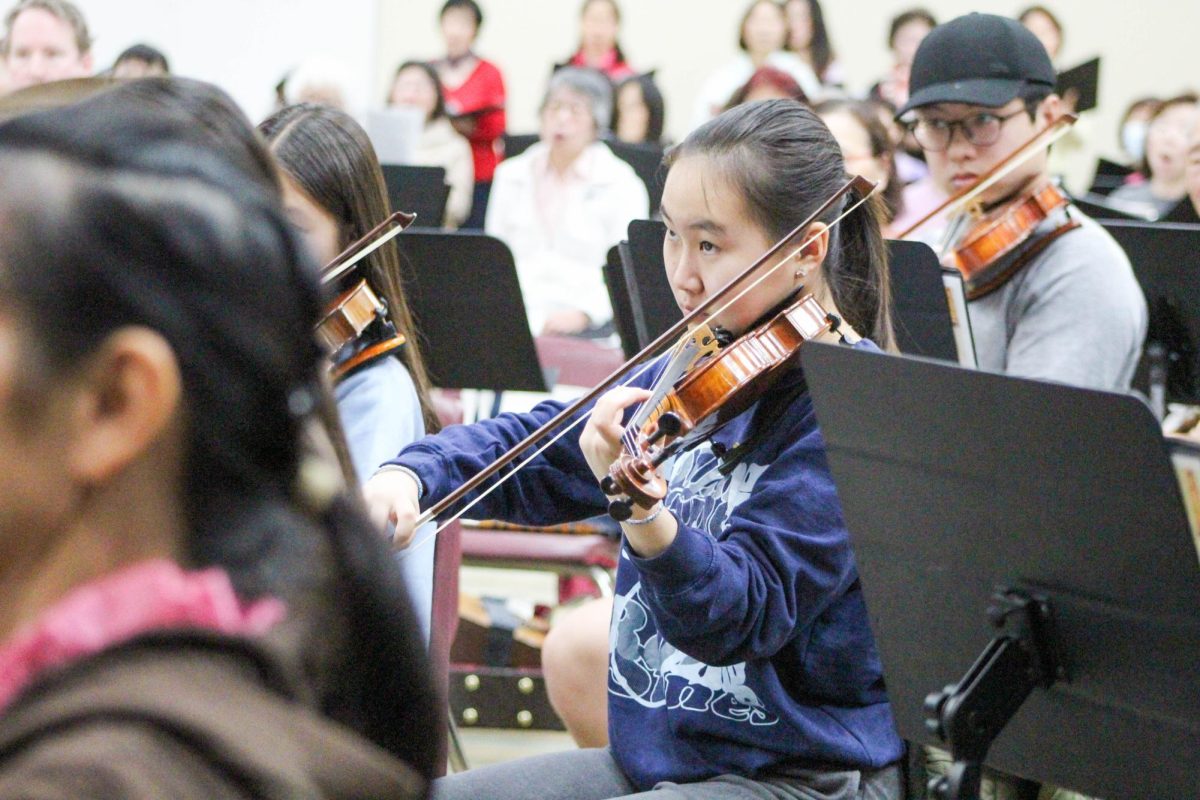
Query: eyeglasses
[(574, 109), (980, 130)]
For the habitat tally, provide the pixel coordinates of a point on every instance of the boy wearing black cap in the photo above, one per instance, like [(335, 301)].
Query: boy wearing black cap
[(1069, 309)]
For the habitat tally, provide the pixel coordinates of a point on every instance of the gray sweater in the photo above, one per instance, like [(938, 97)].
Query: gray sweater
[(1074, 314)]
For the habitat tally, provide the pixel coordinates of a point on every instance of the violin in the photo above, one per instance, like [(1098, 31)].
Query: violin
[(356, 329), (715, 391), (763, 353)]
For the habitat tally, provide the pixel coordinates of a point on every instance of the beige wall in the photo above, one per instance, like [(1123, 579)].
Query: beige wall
[(1148, 47)]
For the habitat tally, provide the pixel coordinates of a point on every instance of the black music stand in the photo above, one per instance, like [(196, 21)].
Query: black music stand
[(418, 190), (973, 497), (1166, 261), (618, 297), (654, 307), (464, 294)]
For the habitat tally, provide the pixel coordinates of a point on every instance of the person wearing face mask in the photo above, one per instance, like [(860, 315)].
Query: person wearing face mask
[(1166, 150), (1134, 124)]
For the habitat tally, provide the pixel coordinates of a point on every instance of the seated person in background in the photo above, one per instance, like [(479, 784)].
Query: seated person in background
[(599, 27), (1042, 23), (334, 193), (320, 80), (1064, 305), (905, 33), (1166, 152), (1193, 173), (768, 83), (638, 111), (1131, 135), (761, 37), (867, 150), (141, 61), (561, 205), (416, 85), (190, 610), (809, 39), (44, 41)]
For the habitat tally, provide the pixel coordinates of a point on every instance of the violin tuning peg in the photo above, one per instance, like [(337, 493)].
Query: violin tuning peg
[(609, 486), (620, 510)]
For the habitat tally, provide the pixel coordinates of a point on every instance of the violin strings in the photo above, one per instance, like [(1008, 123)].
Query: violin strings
[(586, 414)]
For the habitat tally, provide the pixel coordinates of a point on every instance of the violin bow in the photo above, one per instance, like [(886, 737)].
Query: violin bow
[(859, 183), (1034, 145), (366, 244)]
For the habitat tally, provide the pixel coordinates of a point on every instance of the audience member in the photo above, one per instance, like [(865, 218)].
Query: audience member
[(141, 61), (475, 98), (416, 85), (1193, 170), (320, 80), (180, 580), (1131, 135), (867, 150), (639, 113), (561, 205), (809, 39), (44, 41), (1042, 23), (599, 48), (762, 36), (768, 83), (905, 33), (1166, 157)]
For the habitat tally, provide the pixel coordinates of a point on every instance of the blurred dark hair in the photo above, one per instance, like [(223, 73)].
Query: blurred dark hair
[(904, 18), (145, 53), (822, 49), (653, 100), (469, 5), (130, 216), (439, 108), (784, 163), (768, 76)]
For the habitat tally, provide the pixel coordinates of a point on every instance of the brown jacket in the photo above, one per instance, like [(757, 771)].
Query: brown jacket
[(185, 715)]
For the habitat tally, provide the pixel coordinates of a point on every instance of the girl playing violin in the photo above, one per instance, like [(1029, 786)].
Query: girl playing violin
[(741, 661), (333, 191)]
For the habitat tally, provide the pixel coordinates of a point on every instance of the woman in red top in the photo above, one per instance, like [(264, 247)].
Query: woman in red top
[(599, 23), (474, 92)]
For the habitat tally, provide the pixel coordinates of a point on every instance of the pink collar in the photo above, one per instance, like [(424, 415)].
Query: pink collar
[(148, 596)]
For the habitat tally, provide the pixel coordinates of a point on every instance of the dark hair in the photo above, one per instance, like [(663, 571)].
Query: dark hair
[(746, 17), (468, 5), (213, 114), (822, 50), (653, 100), (617, 11), (772, 77), (145, 53), (129, 218), (784, 162), (331, 159), (866, 114), (439, 107), (904, 18)]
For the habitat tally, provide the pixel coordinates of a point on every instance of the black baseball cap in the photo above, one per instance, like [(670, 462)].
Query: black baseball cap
[(978, 59)]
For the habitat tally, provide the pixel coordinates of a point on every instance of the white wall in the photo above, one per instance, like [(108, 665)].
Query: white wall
[(244, 46)]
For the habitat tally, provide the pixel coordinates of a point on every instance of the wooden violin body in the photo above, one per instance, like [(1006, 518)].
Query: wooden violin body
[(716, 390), (998, 233)]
